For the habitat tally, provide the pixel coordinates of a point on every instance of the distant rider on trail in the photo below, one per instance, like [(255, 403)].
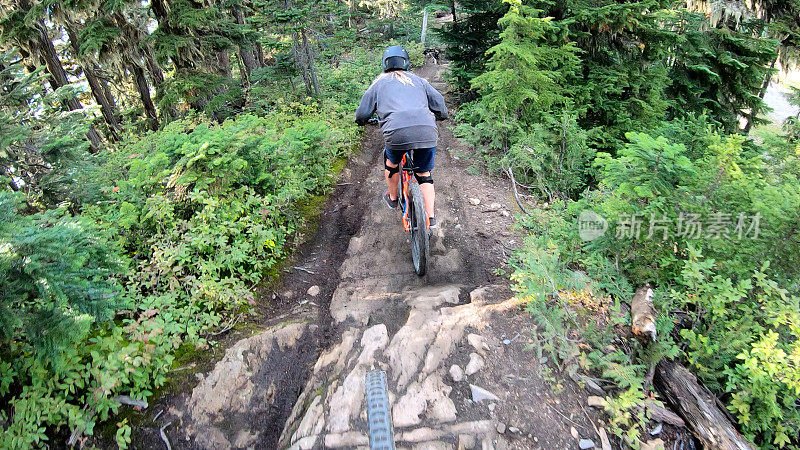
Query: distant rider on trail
[(408, 107)]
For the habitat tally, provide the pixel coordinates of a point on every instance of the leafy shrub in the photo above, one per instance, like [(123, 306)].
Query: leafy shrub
[(189, 220), (735, 297), (720, 182), (61, 286), (208, 207), (742, 339), (58, 278)]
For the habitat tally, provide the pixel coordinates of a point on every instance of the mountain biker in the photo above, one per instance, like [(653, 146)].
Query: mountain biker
[(408, 107)]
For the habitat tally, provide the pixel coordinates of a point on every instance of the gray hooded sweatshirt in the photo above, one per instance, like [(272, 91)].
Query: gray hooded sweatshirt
[(407, 106)]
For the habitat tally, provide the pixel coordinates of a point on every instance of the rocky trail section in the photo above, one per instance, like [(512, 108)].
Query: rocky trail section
[(454, 344), (418, 359)]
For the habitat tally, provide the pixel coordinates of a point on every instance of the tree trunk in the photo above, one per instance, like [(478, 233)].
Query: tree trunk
[(453, 13), (424, 27), (156, 74), (751, 118), (144, 93), (107, 91), (161, 12), (106, 107), (698, 407), (298, 59), (247, 53), (260, 54), (134, 57), (223, 63), (58, 76), (310, 63), (100, 95)]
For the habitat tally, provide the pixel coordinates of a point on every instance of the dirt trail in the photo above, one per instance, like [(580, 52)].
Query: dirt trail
[(300, 383)]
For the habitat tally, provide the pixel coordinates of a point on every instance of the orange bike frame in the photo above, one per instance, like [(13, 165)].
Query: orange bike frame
[(406, 179)]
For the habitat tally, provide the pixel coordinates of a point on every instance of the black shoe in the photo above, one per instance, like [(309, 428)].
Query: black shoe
[(432, 222), (389, 202)]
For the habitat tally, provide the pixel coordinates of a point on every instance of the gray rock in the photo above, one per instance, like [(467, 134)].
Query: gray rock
[(506, 341), (480, 394), (586, 443), (592, 386), (479, 295), (313, 291), (466, 442), (513, 430), (597, 402), (430, 398), (656, 430), (478, 343), (653, 444), (501, 427), (456, 374), (238, 388), (475, 364), (474, 201), (432, 445)]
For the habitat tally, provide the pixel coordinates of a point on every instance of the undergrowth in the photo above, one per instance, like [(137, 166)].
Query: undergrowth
[(163, 248)]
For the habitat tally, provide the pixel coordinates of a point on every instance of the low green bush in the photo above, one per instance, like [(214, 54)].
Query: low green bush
[(726, 292), (187, 221)]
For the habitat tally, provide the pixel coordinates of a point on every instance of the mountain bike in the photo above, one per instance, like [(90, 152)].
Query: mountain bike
[(379, 416), (415, 221)]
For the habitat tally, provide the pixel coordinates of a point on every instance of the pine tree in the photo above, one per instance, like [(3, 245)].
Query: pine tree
[(720, 70), (56, 279), (23, 24), (526, 106), (469, 36), (41, 147), (530, 70)]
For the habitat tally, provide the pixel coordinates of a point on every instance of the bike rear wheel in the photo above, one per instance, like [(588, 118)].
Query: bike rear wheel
[(419, 229), (379, 418)]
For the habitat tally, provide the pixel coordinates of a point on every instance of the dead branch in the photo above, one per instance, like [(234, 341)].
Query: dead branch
[(516, 193)]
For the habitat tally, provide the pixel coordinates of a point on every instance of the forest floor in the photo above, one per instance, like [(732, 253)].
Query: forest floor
[(351, 302)]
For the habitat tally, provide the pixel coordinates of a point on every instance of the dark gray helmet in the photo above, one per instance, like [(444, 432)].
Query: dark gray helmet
[(394, 58)]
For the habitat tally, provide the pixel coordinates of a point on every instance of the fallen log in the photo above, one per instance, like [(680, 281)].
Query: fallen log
[(661, 414), (643, 314), (698, 408)]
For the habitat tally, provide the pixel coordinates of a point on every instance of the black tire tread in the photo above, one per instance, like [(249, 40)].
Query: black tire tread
[(419, 236), (379, 417)]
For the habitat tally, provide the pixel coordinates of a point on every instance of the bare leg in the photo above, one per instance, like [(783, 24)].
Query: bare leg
[(428, 194), (391, 182)]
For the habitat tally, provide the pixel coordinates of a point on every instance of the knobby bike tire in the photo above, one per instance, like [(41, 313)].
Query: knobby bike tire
[(419, 229), (379, 417)]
